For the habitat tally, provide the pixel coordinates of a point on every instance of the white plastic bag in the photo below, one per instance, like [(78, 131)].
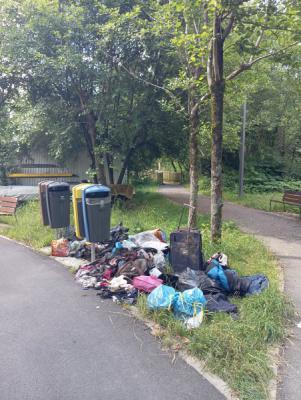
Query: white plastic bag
[(196, 321)]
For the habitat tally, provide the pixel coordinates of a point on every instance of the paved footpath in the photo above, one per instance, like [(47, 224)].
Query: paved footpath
[(55, 344), (282, 234)]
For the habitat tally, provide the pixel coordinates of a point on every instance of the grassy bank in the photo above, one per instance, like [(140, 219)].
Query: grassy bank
[(236, 350)]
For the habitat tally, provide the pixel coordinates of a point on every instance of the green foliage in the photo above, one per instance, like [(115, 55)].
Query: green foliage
[(84, 67), (131, 67), (258, 179)]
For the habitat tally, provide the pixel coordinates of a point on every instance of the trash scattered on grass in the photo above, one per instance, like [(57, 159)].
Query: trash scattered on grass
[(129, 265)]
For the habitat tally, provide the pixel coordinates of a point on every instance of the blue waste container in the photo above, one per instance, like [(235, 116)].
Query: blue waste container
[(97, 213)]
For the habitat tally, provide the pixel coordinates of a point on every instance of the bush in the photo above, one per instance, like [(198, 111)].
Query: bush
[(258, 179)]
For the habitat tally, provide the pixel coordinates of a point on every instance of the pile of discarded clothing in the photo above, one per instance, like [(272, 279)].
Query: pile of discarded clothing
[(140, 263), (132, 265)]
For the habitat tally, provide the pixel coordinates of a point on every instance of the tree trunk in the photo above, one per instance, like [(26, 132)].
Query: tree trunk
[(193, 161), (173, 166), (99, 165), (101, 176), (217, 102), (90, 151), (125, 166), (109, 159), (217, 88)]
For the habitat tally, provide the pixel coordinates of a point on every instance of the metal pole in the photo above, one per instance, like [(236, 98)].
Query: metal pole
[(242, 151), (92, 252)]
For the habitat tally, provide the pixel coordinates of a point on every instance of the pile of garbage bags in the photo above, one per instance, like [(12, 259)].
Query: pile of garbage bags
[(134, 264)]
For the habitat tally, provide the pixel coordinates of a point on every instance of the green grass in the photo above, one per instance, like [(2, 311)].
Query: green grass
[(27, 228), (236, 350)]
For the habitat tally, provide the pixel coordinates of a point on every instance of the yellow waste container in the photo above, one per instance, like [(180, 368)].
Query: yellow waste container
[(78, 209)]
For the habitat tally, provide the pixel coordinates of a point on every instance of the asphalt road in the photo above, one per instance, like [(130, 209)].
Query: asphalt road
[(281, 233), (55, 344)]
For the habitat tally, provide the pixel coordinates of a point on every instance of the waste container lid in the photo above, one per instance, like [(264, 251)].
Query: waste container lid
[(58, 187), (77, 190), (43, 185), (97, 191)]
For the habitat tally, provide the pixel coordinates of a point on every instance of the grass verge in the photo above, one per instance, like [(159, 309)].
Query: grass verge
[(237, 351), (259, 201)]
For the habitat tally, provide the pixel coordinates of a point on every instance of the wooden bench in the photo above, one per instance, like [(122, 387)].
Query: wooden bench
[(291, 198), (8, 206)]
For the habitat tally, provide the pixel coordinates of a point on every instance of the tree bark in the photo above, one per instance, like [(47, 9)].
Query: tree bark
[(125, 166), (193, 160), (217, 95), (90, 149), (109, 159), (217, 88), (99, 165)]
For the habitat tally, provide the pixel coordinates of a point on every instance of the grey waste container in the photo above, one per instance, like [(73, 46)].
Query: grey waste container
[(43, 187), (58, 204), (97, 213)]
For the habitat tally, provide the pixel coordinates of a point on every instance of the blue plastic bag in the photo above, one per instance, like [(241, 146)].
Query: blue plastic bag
[(217, 273), (161, 297), (190, 302)]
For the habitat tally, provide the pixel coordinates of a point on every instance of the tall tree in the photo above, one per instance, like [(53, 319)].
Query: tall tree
[(236, 18)]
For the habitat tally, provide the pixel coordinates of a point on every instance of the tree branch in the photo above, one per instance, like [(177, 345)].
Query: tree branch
[(246, 66), (147, 82), (229, 27)]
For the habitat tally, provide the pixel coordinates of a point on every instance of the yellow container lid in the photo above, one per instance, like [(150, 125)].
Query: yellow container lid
[(77, 191)]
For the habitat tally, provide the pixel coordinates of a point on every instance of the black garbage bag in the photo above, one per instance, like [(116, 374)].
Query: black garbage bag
[(209, 286), (189, 279), (170, 280)]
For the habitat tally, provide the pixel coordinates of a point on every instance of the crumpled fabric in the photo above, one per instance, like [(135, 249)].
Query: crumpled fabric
[(87, 281), (119, 296), (251, 285), (119, 283), (133, 268), (159, 261), (128, 297), (218, 302)]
